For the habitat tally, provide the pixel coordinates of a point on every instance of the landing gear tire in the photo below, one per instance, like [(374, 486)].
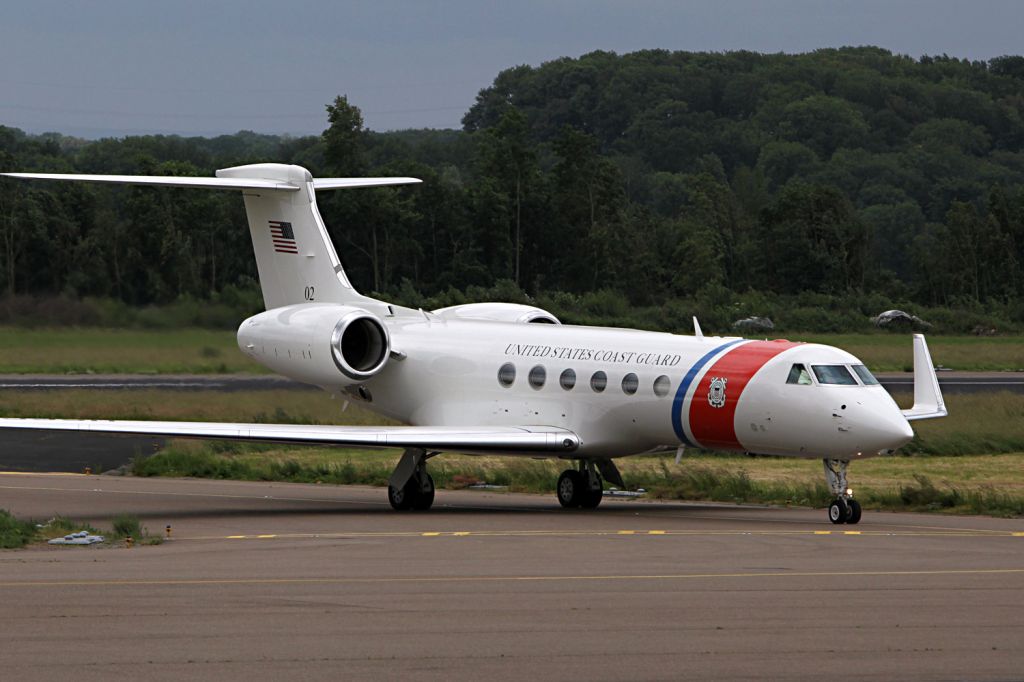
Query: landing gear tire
[(424, 494), (570, 489), (412, 495), (853, 515), (402, 499), (417, 490), (838, 511), (592, 497)]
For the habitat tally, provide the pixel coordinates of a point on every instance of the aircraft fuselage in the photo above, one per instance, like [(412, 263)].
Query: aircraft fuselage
[(623, 391)]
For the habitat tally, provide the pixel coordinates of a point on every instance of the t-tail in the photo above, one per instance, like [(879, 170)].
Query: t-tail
[(295, 258)]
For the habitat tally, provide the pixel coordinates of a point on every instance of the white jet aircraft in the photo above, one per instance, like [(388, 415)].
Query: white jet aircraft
[(501, 378)]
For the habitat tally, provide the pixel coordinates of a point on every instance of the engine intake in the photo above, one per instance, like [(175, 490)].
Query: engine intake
[(360, 345)]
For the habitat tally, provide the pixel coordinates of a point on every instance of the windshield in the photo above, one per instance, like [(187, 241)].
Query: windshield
[(866, 377), (834, 374)]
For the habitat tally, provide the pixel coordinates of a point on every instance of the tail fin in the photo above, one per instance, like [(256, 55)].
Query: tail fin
[(296, 261), (294, 256)]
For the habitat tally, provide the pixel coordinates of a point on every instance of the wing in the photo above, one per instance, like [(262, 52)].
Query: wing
[(467, 439)]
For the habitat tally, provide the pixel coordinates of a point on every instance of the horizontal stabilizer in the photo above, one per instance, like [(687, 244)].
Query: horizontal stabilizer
[(471, 439), (928, 401), (173, 181), (218, 183), (345, 183)]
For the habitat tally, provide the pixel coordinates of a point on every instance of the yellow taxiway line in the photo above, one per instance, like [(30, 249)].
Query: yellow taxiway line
[(328, 535), (43, 473)]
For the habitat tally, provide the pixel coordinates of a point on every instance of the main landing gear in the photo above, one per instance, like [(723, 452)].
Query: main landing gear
[(843, 509), (410, 486), (583, 488)]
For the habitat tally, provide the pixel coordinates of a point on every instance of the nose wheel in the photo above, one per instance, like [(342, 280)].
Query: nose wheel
[(842, 509)]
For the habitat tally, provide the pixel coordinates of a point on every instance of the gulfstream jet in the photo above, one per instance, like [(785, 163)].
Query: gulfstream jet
[(500, 378)]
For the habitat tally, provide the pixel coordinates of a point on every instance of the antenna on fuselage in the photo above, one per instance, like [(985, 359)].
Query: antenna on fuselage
[(696, 328)]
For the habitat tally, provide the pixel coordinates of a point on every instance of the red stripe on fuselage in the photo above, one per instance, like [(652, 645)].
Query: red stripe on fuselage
[(715, 427)]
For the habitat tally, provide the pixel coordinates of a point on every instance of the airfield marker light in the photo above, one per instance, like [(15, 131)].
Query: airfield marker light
[(129, 542), (168, 529)]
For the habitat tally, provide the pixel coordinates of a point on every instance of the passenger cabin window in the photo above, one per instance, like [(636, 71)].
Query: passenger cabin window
[(599, 381), (507, 374), (661, 386), (834, 374), (630, 383), (866, 377), (538, 375), (798, 374), (568, 379)]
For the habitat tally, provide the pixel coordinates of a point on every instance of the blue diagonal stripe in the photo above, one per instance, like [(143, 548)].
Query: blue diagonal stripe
[(684, 386)]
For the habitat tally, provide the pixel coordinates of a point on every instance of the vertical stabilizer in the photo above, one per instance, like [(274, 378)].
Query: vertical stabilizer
[(296, 261)]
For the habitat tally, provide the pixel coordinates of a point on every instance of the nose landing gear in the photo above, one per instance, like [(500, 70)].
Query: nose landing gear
[(843, 509)]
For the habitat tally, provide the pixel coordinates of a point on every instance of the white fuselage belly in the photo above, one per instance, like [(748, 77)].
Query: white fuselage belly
[(445, 373)]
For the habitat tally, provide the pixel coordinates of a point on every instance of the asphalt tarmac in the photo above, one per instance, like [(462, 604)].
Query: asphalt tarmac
[(302, 582)]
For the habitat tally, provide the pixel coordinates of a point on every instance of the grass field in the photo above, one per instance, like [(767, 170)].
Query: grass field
[(201, 351), (980, 484), (16, 533), (970, 461), (885, 352), (114, 351)]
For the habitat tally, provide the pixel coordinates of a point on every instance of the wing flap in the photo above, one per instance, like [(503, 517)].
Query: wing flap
[(512, 439)]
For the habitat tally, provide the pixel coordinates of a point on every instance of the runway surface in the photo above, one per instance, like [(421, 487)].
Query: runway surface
[(286, 581), (951, 382)]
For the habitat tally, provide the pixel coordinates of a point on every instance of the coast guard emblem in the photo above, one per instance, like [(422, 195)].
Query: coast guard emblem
[(716, 394)]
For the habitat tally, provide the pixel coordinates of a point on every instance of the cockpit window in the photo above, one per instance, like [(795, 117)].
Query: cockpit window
[(799, 375), (866, 377), (834, 374)]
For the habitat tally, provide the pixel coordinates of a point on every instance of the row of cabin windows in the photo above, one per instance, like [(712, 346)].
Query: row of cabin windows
[(567, 380)]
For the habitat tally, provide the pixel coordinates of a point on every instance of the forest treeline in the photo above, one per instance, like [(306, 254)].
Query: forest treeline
[(817, 189)]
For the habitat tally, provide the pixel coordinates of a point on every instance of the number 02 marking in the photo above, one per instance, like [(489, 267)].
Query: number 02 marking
[(309, 294)]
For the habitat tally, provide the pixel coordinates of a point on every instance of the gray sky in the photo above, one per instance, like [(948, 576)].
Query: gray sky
[(122, 67)]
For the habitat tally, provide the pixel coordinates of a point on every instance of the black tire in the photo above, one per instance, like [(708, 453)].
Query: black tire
[(838, 511), (853, 516), (591, 498), (570, 489), (423, 498), (401, 499)]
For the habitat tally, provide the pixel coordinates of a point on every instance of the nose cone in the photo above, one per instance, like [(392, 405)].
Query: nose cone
[(898, 431), (888, 429)]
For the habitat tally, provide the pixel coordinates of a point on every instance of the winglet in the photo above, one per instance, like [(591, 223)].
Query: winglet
[(928, 401), (697, 331)]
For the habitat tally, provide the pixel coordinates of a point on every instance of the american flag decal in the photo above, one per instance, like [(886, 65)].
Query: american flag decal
[(283, 236)]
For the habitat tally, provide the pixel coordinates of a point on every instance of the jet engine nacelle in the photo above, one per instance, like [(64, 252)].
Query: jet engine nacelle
[(321, 343), (498, 312)]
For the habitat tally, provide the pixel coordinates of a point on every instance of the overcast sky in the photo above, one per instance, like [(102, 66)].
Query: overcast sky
[(205, 67)]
